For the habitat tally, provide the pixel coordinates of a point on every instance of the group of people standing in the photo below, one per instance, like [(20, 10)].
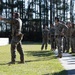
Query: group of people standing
[(61, 36)]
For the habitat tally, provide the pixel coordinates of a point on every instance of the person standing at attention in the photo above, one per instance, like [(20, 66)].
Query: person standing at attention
[(45, 36)]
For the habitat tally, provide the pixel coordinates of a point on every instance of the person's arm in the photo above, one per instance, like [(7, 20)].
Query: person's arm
[(64, 28), (6, 20)]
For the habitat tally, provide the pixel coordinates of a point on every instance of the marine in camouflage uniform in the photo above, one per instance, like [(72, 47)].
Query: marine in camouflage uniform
[(58, 33), (45, 35), (73, 39), (16, 23), (67, 34), (52, 37)]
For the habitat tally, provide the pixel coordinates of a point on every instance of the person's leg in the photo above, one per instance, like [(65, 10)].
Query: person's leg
[(60, 47), (46, 43), (73, 45), (68, 44), (13, 55), (51, 42), (55, 45), (64, 44), (20, 50), (13, 50), (43, 42)]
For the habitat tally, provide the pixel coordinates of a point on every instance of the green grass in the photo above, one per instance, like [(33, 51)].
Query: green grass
[(37, 62)]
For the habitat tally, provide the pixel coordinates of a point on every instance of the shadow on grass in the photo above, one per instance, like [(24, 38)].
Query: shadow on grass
[(6, 64), (9, 63), (64, 72), (40, 55), (3, 63)]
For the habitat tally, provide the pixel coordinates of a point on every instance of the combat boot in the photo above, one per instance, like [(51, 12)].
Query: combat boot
[(60, 55)]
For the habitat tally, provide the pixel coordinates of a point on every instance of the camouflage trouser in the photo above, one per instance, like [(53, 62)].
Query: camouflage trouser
[(64, 44), (59, 45), (16, 44), (68, 43), (52, 42), (73, 44), (44, 43)]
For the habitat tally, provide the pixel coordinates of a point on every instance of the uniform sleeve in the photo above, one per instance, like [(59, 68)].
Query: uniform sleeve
[(64, 27), (10, 21), (64, 30)]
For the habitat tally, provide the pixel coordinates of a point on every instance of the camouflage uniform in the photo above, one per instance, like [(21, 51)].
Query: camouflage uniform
[(52, 38), (67, 34), (64, 44), (16, 38), (45, 35), (73, 40), (68, 39), (58, 34)]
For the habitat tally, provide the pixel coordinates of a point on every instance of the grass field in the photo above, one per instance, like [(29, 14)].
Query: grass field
[(37, 62)]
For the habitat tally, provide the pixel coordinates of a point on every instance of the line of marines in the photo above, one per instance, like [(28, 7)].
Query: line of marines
[(61, 36)]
